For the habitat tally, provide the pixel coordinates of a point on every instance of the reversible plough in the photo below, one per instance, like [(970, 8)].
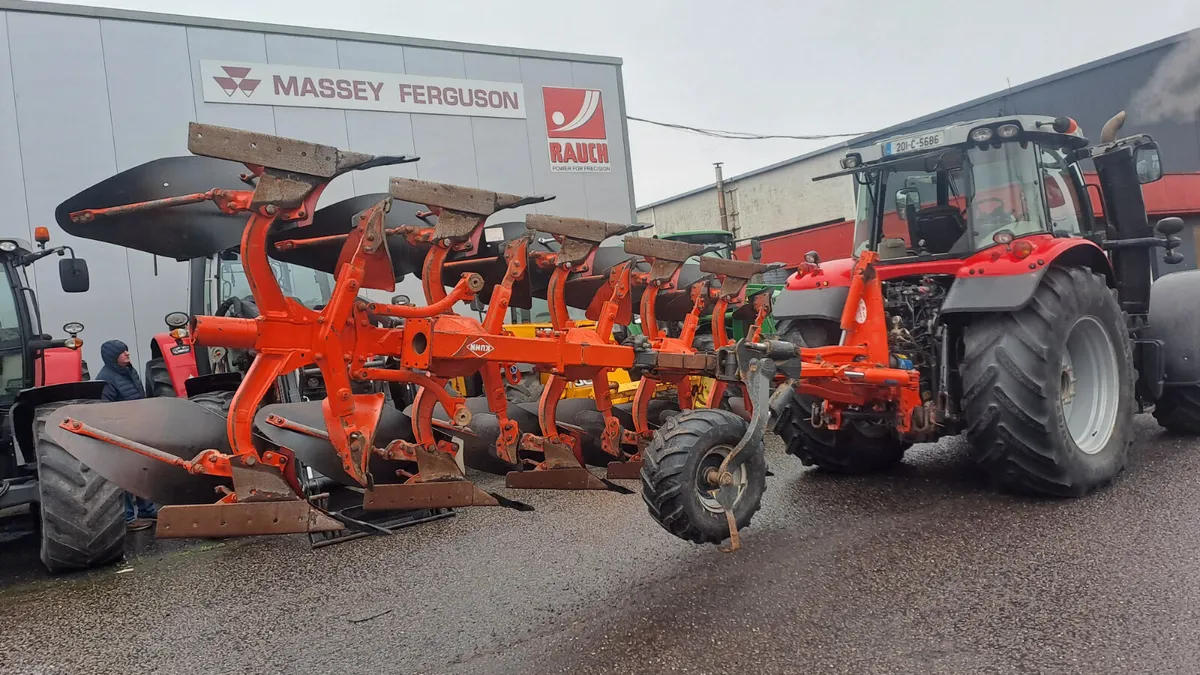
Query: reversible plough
[(238, 475)]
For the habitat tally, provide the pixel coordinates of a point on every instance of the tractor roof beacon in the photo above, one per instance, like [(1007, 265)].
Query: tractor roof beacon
[(82, 521), (1034, 327)]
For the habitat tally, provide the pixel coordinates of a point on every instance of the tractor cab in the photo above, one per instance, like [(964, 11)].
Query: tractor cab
[(28, 356), (956, 191)]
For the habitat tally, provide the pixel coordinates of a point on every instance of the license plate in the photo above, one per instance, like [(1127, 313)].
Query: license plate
[(914, 143)]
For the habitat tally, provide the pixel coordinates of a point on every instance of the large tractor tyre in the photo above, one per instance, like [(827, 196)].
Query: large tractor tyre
[(1048, 390), (158, 379), (82, 514), (1178, 410), (527, 390), (859, 448), (675, 467), (216, 402)]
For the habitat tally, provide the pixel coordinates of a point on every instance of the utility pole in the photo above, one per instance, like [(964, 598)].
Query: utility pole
[(721, 197)]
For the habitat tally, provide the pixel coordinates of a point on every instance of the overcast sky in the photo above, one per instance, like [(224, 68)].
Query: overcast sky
[(797, 67)]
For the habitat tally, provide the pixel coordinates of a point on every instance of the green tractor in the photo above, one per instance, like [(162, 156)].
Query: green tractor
[(722, 244)]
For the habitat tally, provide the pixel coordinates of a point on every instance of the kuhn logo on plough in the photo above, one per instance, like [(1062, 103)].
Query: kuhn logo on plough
[(480, 347), (575, 129)]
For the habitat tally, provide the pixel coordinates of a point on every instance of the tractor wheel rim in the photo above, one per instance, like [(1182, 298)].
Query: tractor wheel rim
[(1089, 385), (711, 461)]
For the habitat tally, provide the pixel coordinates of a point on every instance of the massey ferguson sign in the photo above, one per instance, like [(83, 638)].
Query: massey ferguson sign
[(300, 86), (575, 129)]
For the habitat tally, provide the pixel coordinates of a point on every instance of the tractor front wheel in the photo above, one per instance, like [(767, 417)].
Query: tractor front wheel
[(858, 448), (158, 379), (82, 514), (1048, 390), (1178, 411), (676, 464)]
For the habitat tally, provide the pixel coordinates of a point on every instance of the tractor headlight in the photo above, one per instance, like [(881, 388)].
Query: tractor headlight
[(981, 135), (8, 246), (73, 328), (851, 161), (1008, 130)]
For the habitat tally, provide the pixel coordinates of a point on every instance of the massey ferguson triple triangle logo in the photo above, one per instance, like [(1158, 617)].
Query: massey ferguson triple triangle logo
[(575, 129), (236, 81)]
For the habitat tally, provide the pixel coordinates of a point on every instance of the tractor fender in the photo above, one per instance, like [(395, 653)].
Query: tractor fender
[(19, 423), (59, 365), (1008, 283), (179, 359), (815, 303), (1175, 327)]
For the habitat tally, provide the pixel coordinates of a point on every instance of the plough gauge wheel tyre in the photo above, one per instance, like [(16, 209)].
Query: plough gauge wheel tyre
[(1048, 390), (673, 476), (82, 514), (858, 448)]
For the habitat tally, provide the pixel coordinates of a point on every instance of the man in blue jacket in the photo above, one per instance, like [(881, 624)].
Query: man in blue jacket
[(123, 384)]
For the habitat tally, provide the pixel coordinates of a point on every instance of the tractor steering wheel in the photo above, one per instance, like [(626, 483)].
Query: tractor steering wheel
[(996, 216)]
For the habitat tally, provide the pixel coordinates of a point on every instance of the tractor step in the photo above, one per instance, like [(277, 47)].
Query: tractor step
[(434, 495), (631, 470), (240, 519)]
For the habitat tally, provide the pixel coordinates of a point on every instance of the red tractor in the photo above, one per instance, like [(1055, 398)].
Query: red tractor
[(983, 297), (79, 515)]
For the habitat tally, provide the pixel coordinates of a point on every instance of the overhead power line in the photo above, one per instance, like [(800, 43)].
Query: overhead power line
[(743, 135)]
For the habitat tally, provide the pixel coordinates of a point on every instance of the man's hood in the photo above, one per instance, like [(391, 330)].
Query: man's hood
[(109, 351)]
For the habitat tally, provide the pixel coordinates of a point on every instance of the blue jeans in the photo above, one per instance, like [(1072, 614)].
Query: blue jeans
[(136, 507)]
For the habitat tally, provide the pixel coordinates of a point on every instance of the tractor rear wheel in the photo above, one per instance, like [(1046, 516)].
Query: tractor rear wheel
[(1048, 389), (676, 463), (158, 379), (1178, 411), (858, 448), (82, 514)]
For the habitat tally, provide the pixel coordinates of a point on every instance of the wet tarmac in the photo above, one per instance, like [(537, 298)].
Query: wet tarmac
[(922, 570)]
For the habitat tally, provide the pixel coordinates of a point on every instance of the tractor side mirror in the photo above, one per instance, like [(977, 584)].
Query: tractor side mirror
[(73, 275), (1149, 165), (1169, 226), (907, 198)]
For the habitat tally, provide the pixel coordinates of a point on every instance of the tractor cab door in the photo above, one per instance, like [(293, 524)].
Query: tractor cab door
[(16, 330)]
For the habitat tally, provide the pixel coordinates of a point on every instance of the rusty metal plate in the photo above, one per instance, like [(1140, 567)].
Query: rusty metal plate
[(444, 494), (594, 231), (241, 519), (663, 249), (555, 479), (693, 363), (741, 269), (251, 147), (446, 196), (631, 470)]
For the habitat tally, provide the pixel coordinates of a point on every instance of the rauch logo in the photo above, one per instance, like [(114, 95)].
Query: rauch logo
[(237, 81), (575, 129)]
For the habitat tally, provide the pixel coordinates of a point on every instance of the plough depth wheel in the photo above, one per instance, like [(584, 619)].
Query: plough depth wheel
[(677, 475)]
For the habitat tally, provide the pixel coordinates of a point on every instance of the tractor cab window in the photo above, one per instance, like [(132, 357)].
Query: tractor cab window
[(1063, 198), (311, 287), (12, 343), (949, 203)]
